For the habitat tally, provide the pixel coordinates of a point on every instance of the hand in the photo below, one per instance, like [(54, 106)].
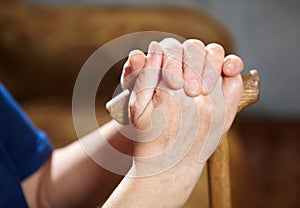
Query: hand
[(184, 98), (192, 66)]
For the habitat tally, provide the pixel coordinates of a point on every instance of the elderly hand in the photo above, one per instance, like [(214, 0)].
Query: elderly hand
[(184, 98), (173, 78)]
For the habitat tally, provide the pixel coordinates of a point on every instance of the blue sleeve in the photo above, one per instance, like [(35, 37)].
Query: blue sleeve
[(28, 147)]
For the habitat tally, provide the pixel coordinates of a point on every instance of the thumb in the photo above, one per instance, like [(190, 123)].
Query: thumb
[(146, 82)]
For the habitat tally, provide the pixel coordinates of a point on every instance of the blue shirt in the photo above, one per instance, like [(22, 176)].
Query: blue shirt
[(23, 150)]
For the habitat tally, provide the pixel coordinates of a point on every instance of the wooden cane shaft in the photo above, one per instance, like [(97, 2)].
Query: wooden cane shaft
[(219, 162), (219, 176)]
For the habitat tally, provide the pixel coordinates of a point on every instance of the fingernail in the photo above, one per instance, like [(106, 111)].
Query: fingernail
[(193, 86), (207, 86), (178, 81), (230, 67), (153, 46), (154, 49), (133, 52)]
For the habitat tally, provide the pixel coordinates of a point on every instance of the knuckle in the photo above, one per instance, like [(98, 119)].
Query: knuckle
[(198, 43), (215, 48), (172, 63), (194, 42)]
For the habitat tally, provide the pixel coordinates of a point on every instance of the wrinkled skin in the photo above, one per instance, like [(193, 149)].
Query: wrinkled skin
[(172, 78), (185, 97)]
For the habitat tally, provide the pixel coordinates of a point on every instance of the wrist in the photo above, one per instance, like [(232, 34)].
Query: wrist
[(166, 187)]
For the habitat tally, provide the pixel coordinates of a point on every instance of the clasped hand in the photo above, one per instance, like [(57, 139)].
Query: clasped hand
[(184, 98)]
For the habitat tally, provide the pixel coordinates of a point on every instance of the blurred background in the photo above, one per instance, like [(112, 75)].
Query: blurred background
[(44, 43)]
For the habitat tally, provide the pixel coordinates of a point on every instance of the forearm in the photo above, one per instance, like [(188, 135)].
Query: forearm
[(161, 190), (148, 184), (72, 178)]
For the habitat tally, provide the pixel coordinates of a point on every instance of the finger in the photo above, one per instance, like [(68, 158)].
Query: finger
[(193, 63), (172, 63), (232, 89), (213, 65), (146, 82), (232, 66), (135, 62)]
